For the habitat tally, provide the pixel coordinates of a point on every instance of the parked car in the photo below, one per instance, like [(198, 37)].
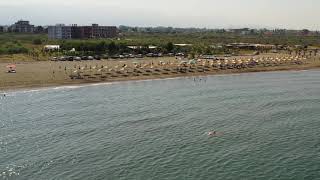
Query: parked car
[(70, 58), (150, 55), (77, 58), (105, 56), (180, 54), (90, 58), (139, 56), (97, 57), (62, 58), (115, 56), (84, 58), (131, 56), (54, 59)]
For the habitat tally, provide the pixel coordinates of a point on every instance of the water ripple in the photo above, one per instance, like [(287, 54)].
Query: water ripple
[(158, 129)]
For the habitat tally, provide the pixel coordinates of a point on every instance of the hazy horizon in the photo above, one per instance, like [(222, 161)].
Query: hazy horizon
[(286, 14)]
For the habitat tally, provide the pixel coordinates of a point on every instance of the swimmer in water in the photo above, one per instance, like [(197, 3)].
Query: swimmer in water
[(212, 133)]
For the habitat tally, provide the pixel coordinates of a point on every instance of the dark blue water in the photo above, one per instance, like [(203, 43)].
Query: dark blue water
[(268, 124)]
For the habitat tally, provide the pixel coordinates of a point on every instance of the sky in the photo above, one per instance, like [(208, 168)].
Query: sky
[(289, 14)]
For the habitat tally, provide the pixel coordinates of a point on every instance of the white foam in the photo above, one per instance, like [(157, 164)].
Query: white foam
[(66, 87), (45, 89), (88, 85), (115, 82)]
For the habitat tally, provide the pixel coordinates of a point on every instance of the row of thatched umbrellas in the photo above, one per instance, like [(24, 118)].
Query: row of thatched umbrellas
[(257, 61), (166, 68)]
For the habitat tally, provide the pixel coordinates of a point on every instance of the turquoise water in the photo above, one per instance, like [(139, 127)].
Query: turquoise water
[(269, 128)]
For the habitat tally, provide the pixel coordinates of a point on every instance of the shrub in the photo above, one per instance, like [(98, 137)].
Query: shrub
[(37, 41)]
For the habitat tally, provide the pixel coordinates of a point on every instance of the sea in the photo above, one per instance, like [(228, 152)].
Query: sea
[(267, 124)]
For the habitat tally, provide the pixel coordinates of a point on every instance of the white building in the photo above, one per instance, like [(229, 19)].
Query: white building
[(59, 31)]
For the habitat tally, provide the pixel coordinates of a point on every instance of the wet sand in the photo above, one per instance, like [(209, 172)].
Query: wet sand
[(48, 73)]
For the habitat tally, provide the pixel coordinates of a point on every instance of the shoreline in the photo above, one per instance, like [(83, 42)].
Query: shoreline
[(75, 83)]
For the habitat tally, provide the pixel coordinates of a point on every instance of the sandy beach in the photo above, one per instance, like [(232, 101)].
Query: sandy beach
[(49, 73)]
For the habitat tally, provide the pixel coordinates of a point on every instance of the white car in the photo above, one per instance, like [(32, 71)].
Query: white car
[(54, 59), (77, 58)]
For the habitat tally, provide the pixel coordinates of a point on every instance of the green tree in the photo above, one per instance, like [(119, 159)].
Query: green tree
[(112, 48), (101, 46), (169, 47)]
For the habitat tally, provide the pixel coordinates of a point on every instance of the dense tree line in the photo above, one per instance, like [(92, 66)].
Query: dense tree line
[(202, 43), (116, 48), (13, 48)]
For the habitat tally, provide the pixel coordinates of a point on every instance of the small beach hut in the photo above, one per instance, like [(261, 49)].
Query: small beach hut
[(11, 68)]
